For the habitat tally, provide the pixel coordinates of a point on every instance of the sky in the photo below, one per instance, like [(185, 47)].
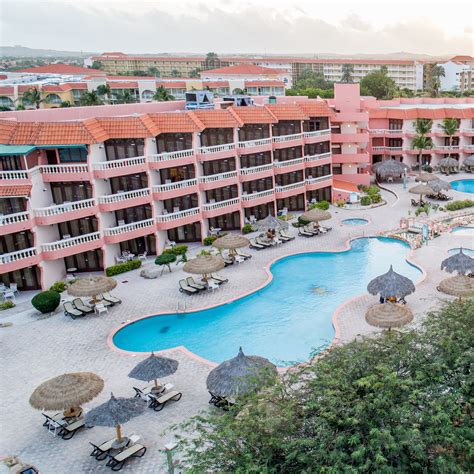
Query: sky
[(241, 26)]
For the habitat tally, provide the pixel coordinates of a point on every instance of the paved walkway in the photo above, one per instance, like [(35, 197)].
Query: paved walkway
[(35, 349)]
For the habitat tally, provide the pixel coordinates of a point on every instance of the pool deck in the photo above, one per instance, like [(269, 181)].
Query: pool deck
[(35, 349)]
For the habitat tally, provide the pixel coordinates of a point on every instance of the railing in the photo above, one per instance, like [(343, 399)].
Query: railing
[(70, 242), (378, 148), (216, 148), (13, 175), (119, 197), (283, 164), (121, 229), (254, 143), (255, 169), (454, 147), (122, 163), (468, 130), (468, 147), (318, 179), (393, 148), (172, 155), (217, 177), (63, 208), (321, 156), (289, 187), (173, 216), (286, 138), (317, 133), (385, 131), (14, 218), (59, 169), (159, 188), (18, 255), (257, 195), (220, 204)]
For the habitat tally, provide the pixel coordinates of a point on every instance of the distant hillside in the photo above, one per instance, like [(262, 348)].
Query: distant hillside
[(23, 51)]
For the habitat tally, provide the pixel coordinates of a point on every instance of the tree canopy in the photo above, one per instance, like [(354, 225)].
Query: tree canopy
[(378, 84), (347, 71), (397, 402), (97, 64), (309, 79), (162, 95)]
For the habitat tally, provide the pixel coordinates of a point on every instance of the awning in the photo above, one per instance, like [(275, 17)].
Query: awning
[(15, 190), (345, 186), (16, 149)]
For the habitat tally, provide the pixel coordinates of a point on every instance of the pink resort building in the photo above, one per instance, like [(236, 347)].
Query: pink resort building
[(80, 185)]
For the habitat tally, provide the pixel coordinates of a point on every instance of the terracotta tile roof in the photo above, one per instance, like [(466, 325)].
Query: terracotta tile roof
[(215, 118), (172, 84), (15, 189), (123, 85), (52, 88), (316, 108), (169, 122), (215, 83), (287, 111), (63, 133), (241, 69), (422, 112), (264, 83), (122, 127), (63, 69), (26, 87), (252, 115), (7, 129), (25, 133), (345, 186), (462, 58)]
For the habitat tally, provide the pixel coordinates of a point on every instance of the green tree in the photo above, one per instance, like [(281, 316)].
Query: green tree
[(162, 95), (125, 97), (378, 84), (347, 71), (405, 92), (212, 61), (153, 71), (421, 141), (32, 97), (175, 73), (312, 80), (311, 92), (104, 91), (90, 98), (65, 104), (195, 73), (437, 72), (450, 128), (97, 65)]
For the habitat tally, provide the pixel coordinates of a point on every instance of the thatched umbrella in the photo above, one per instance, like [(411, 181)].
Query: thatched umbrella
[(460, 263), (153, 368), (316, 215), (391, 285), (67, 392), (92, 286), (459, 285), (421, 189), (240, 375), (231, 242), (440, 185), (390, 168), (204, 265), (114, 413), (469, 162), (426, 177), (449, 163), (388, 315), (271, 222)]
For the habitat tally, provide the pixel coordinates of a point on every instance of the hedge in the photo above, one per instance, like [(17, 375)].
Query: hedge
[(365, 200), (177, 250), (46, 301), (457, 205), (123, 267)]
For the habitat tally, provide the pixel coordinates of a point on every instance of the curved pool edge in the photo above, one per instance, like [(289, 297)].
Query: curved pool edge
[(334, 318)]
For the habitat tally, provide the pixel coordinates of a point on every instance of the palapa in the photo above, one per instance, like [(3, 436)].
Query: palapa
[(426, 177), (153, 368), (390, 168), (316, 215), (459, 263), (388, 315), (449, 163), (460, 285), (92, 286), (204, 265), (231, 242), (421, 189), (440, 185), (469, 161), (391, 285), (271, 222)]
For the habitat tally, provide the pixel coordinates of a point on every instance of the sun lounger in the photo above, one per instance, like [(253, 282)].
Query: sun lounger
[(227, 261), (111, 299), (286, 235), (190, 281), (54, 418), (304, 232), (69, 430), (70, 310), (261, 242), (219, 402), (117, 461), (77, 303), (255, 245), (243, 254), (283, 238), (158, 403), (100, 452), (184, 287), (105, 302), (219, 279)]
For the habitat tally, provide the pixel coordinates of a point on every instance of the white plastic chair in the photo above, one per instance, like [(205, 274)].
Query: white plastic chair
[(142, 256), (14, 287), (212, 285), (100, 308)]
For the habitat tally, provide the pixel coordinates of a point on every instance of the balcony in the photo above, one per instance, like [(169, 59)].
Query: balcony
[(318, 183), (216, 152), (171, 190), (218, 180), (255, 146), (256, 172), (110, 169), (9, 262), (14, 177), (77, 172), (227, 206), (257, 198), (71, 246), (289, 189), (288, 166), (316, 136), (320, 159), (130, 231), (470, 148), (467, 131), (286, 141), (175, 158), (18, 222), (385, 131), (447, 148), (65, 212), (359, 137), (176, 219), (137, 197)]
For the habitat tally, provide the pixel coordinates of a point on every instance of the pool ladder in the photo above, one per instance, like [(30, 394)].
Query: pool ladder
[(181, 307)]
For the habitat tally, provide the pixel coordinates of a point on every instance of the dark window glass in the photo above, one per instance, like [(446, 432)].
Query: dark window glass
[(70, 192), (226, 221), (316, 123), (169, 142), (257, 185), (90, 261), (17, 241), (26, 278), (140, 245), (12, 205), (117, 149), (316, 148), (186, 233), (256, 159), (180, 173), (77, 227), (395, 124), (67, 155), (289, 178), (336, 168), (217, 136), (292, 203), (218, 166), (323, 194), (181, 203), (284, 154), (221, 194), (130, 182), (11, 163), (260, 212), (395, 142), (318, 171), (286, 127), (255, 131), (133, 214)]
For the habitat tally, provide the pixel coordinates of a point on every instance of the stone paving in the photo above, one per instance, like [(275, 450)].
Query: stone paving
[(35, 349)]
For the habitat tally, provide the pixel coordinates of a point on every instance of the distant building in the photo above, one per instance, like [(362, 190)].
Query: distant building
[(458, 74)]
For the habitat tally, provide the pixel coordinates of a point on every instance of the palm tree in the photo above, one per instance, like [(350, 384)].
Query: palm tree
[(125, 97), (450, 127), (90, 98), (421, 141), (162, 95), (104, 91), (175, 73), (437, 72), (33, 96), (347, 71)]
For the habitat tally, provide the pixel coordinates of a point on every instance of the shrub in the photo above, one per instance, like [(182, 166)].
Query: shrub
[(302, 221), (324, 205), (123, 267), (372, 190), (247, 229), (7, 305), (457, 205), (341, 203), (165, 259), (362, 187), (365, 200), (204, 252), (58, 286), (177, 250), (46, 301), (209, 240), (375, 198)]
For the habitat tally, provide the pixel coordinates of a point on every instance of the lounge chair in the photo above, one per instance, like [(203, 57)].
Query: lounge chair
[(190, 281), (184, 287), (78, 303), (219, 402), (69, 430), (70, 310), (158, 403), (219, 279), (117, 461), (284, 234), (227, 261), (100, 452), (100, 308), (104, 301), (261, 242), (282, 238), (52, 419), (304, 232), (243, 254), (110, 298), (255, 245)]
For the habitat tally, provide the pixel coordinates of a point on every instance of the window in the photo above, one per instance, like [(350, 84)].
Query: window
[(181, 203), (53, 99), (133, 214), (6, 102), (129, 182), (12, 205), (336, 168), (289, 178), (284, 154), (218, 166), (395, 124), (226, 221), (318, 171), (316, 123), (255, 131), (10, 163), (286, 127), (180, 173), (217, 136), (221, 194), (18, 241), (317, 195), (316, 148), (70, 192), (67, 155), (77, 227), (261, 211), (85, 262), (186, 233), (257, 185), (169, 142), (256, 159), (117, 149), (292, 203)]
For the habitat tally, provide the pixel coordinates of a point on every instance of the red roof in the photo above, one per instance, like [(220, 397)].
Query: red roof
[(287, 111), (315, 108), (248, 115), (15, 189), (6, 90), (215, 83), (123, 85), (264, 84), (440, 113), (345, 185), (462, 58), (213, 118), (242, 69), (169, 85), (63, 69)]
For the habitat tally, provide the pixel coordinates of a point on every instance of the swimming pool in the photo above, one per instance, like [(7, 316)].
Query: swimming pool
[(463, 185), (463, 230), (469, 252), (355, 221), (283, 321)]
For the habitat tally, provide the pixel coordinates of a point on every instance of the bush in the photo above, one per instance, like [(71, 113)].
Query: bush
[(247, 229), (209, 240), (46, 301), (371, 190), (123, 267), (58, 286), (165, 259), (362, 187), (177, 250), (324, 205), (375, 198), (340, 203), (365, 200), (457, 205), (7, 305)]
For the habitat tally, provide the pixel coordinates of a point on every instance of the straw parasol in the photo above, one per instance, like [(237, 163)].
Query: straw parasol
[(316, 215), (440, 185), (92, 286), (153, 368), (459, 285), (391, 285), (426, 177), (460, 263), (469, 161), (271, 222), (231, 242), (390, 168), (115, 412), (239, 376), (67, 392), (204, 265), (448, 163), (421, 189), (388, 315)]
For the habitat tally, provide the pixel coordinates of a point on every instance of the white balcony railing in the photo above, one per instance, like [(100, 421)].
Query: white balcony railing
[(121, 229), (18, 255), (318, 179), (454, 147), (286, 138), (220, 204), (119, 197), (173, 216), (63, 208), (468, 147), (205, 150), (255, 169), (218, 177), (393, 148), (14, 218), (317, 133), (254, 143), (468, 130), (257, 195), (321, 156), (169, 156), (70, 242), (378, 148), (283, 164), (289, 187), (160, 188), (4, 175), (64, 169), (117, 164)]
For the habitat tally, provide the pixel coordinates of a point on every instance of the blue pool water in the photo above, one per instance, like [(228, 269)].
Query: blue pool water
[(463, 185), (355, 221), (463, 230), (469, 252), (285, 320)]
